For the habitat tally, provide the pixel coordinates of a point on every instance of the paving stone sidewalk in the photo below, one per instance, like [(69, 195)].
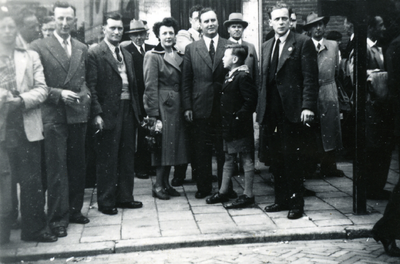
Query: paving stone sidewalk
[(189, 222)]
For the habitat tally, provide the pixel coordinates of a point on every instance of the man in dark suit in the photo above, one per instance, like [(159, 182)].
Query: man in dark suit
[(116, 113), (65, 114), (379, 122), (203, 76), (287, 103), (137, 49)]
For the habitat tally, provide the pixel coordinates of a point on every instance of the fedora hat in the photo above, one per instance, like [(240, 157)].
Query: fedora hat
[(235, 18), (136, 26), (313, 18)]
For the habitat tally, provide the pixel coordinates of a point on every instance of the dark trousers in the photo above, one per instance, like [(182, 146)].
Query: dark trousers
[(66, 170), (205, 135), (389, 225), (25, 165), (143, 155), (115, 151), (379, 147), (5, 195), (289, 147)]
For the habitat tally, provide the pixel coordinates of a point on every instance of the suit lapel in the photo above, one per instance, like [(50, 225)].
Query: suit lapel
[(377, 57), (108, 56), (219, 53), (174, 63), (267, 56), (58, 52), (20, 67), (287, 50), (203, 52), (74, 60), (128, 65)]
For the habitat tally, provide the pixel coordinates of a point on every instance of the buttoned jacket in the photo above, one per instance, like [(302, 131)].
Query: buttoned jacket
[(296, 77), (202, 79), (63, 73)]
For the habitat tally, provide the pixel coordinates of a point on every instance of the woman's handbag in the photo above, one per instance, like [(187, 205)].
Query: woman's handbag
[(154, 133)]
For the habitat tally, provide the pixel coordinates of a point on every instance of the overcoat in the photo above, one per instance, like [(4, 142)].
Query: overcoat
[(162, 99), (328, 104)]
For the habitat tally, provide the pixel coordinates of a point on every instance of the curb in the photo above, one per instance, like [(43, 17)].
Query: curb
[(163, 243)]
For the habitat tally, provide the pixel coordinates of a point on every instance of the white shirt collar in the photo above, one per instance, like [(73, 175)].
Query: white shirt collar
[(61, 40), (236, 41), (320, 42), (208, 40), (371, 43), (138, 47), (112, 48), (282, 38)]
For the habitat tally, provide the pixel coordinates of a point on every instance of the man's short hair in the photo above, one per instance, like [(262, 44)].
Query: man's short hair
[(113, 16), (240, 51), (372, 21), (205, 10), (196, 8), (60, 4), (19, 17), (168, 22), (280, 5)]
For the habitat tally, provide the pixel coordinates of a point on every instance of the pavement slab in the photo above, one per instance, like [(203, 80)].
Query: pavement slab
[(185, 221)]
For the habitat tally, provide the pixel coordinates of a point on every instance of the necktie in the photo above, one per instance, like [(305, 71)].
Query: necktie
[(212, 50), (117, 53), (319, 47), (274, 62), (65, 46), (141, 50)]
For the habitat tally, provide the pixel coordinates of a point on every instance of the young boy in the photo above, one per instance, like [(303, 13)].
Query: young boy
[(238, 103)]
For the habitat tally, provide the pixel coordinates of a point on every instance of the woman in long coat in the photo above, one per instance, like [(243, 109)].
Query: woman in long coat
[(162, 101)]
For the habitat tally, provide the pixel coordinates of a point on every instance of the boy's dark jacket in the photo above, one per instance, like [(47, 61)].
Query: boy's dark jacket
[(238, 103)]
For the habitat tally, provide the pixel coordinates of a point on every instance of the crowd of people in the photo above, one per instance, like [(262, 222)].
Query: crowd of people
[(199, 91)]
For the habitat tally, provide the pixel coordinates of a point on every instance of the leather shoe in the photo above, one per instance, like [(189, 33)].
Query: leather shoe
[(201, 195), (59, 231), (131, 205), (217, 198), (177, 182), (142, 175), (172, 192), (275, 208), (232, 194), (389, 245), (109, 211), (241, 202), (45, 237), (79, 219), (295, 214), (160, 193)]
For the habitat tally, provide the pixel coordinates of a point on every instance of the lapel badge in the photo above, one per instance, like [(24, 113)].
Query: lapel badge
[(290, 49)]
